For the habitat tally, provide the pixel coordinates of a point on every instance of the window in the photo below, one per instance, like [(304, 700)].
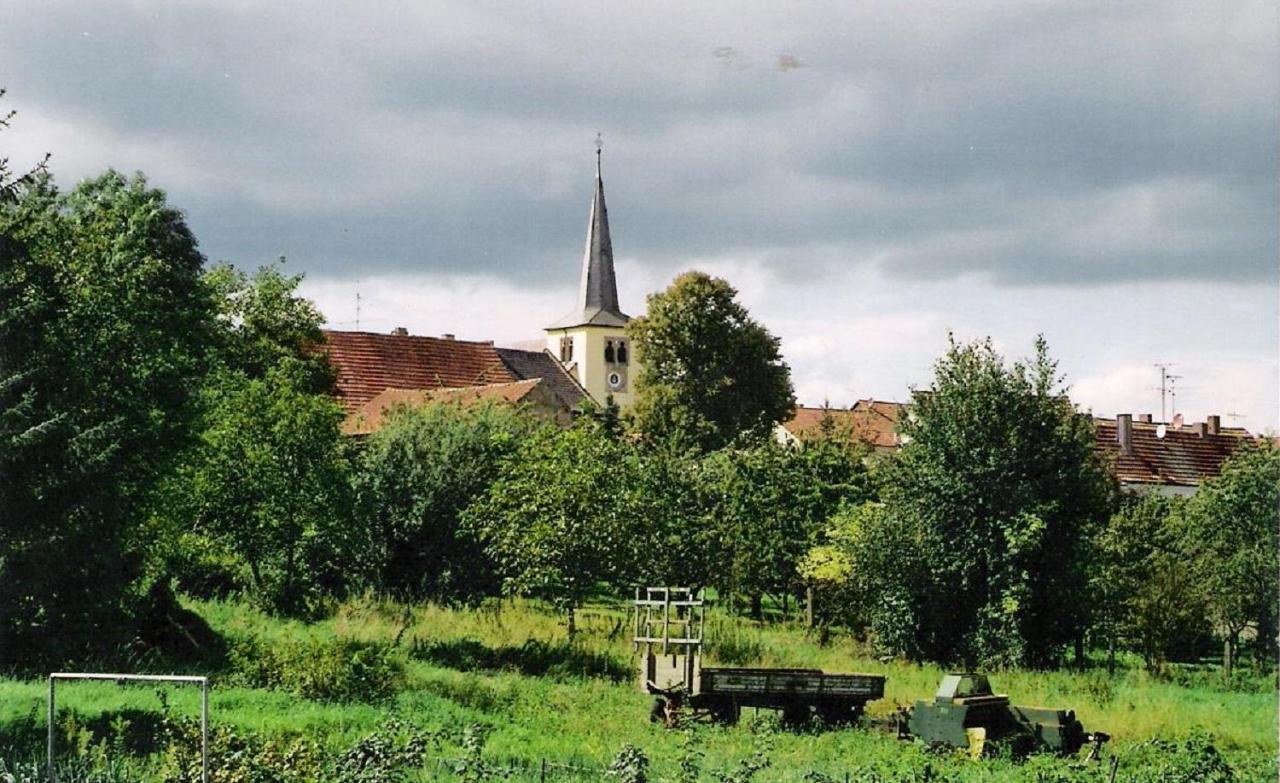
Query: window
[(566, 349), (608, 351), (622, 352)]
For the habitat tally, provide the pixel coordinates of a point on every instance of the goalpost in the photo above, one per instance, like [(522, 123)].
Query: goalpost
[(203, 682)]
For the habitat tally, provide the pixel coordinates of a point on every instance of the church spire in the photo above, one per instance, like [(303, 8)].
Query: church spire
[(598, 292)]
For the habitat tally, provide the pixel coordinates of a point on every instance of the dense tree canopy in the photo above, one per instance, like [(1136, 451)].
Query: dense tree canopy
[(416, 476), (560, 519), (1229, 530), (1144, 590), (999, 481), (104, 326), (709, 373), (270, 482)]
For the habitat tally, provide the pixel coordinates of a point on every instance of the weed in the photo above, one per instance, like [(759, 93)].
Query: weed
[(630, 765)]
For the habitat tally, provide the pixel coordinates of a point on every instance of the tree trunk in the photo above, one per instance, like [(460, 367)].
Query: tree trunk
[(1111, 654), (571, 614), (808, 606), (1079, 651), (757, 606), (786, 606), (1228, 655)]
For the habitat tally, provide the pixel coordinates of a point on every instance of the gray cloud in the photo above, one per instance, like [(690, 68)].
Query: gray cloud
[(1068, 144)]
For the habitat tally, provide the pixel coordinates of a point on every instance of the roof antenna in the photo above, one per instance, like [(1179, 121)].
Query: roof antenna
[(357, 309)]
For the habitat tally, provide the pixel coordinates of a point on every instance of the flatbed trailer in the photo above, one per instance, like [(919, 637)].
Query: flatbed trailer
[(668, 626)]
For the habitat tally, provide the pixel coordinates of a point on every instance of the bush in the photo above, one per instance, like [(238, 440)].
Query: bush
[(236, 758), (388, 755), (337, 670)]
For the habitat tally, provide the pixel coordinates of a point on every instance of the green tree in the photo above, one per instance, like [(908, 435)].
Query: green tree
[(709, 372), (271, 482), (1145, 592), (416, 476), (559, 519), (681, 543), (1230, 533), (10, 183), (104, 325), (999, 479), (766, 506), (263, 323)]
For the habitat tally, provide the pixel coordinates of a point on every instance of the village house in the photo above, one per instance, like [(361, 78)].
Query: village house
[(871, 422), (1147, 456), (587, 355)]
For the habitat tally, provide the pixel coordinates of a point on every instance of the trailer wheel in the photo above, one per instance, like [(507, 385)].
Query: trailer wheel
[(725, 711), (839, 714), (795, 715), (658, 712)]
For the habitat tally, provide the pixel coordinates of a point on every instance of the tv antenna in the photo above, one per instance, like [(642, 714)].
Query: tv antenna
[(1173, 393), (357, 309), (1166, 386)]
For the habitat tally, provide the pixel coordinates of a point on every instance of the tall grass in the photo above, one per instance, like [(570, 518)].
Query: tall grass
[(508, 666)]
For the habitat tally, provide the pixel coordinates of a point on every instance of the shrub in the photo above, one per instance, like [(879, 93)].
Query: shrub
[(630, 765), (337, 670), (235, 757), (388, 755)]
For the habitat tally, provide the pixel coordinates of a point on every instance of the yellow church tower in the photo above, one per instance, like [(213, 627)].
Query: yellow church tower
[(591, 342)]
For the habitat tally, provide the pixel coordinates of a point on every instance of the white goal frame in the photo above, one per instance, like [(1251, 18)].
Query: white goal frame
[(203, 682)]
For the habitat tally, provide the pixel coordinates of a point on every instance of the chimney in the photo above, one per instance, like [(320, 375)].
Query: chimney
[(400, 331), (1215, 425), (1199, 429), (448, 336), (1124, 433), (1144, 418)]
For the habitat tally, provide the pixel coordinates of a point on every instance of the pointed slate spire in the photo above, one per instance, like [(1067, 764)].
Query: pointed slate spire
[(598, 293)]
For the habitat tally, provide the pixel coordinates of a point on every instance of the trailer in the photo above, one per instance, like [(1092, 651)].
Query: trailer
[(668, 630)]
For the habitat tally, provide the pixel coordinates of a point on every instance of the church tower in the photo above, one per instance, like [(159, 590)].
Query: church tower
[(591, 341)]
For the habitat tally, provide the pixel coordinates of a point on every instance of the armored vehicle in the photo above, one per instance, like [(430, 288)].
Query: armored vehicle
[(965, 713), (668, 628)]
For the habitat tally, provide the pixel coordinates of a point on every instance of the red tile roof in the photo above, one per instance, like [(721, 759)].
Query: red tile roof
[(368, 417), (367, 363), (1183, 457), (869, 421)]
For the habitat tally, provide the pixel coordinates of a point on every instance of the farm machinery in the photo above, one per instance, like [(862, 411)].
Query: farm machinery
[(963, 714), (668, 627)]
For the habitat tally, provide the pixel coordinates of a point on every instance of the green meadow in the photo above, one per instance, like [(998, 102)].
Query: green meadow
[(508, 668)]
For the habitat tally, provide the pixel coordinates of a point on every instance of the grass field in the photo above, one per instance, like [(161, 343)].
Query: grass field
[(509, 668)]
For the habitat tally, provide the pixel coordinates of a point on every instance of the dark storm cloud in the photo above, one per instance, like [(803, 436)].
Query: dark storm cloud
[(1068, 144)]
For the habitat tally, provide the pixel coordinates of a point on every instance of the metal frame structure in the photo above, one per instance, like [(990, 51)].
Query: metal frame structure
[(685, 623), (203, 682)]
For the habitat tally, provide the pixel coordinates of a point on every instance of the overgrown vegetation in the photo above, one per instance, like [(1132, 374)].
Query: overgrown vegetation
[(581, 719), (169, 433)]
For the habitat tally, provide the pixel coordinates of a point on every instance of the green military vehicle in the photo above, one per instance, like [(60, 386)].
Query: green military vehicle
[(668, 628), (965, 713)]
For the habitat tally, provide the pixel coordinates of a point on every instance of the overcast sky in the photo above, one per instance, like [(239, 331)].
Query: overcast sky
[(869, 175)]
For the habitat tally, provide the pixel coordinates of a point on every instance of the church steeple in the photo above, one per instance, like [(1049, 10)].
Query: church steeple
[(591, 342), (598, 292)]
